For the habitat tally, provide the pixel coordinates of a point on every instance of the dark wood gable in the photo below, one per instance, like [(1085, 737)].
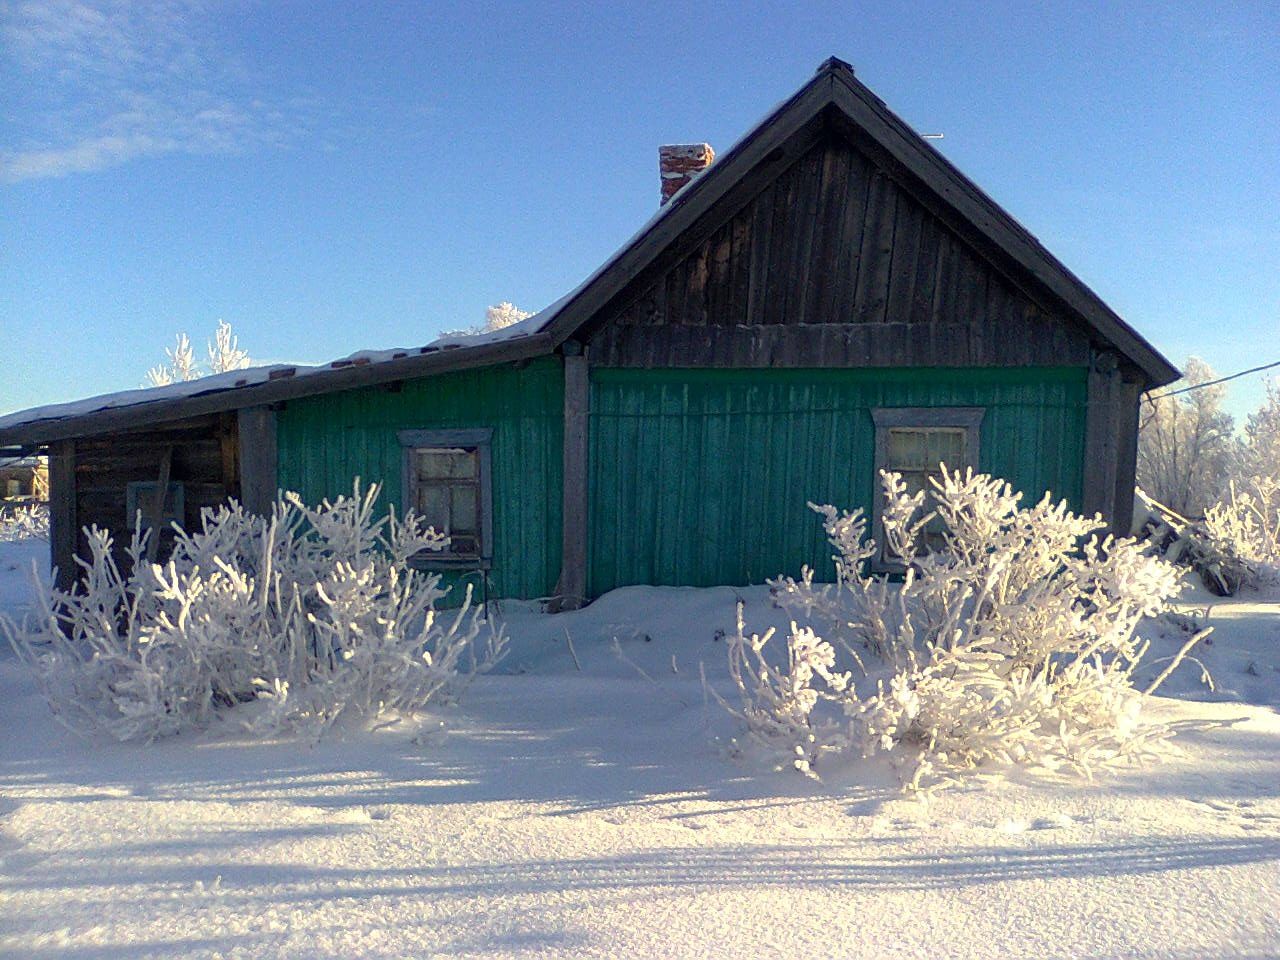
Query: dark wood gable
[(832, 263)]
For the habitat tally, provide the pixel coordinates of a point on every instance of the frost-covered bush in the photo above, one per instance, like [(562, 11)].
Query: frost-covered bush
[(1012, 643), (25, 523), (1239, 539), (312, 612)]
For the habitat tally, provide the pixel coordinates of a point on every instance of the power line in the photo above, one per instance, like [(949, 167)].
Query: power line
[(1210, 383)]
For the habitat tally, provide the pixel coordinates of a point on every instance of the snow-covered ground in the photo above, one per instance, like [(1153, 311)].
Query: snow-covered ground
[(582, 803)]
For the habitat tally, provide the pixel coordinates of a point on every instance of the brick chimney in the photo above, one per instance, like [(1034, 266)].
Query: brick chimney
[(681, 162)]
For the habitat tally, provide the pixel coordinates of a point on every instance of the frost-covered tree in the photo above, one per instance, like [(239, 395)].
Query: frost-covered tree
[(497, 317), (1012, 642), (292, 620), (503, 315), (181, 365), (1186, 443), (1239, 540), (40, 480), (224, 355), (1260, 450), (25, 523)]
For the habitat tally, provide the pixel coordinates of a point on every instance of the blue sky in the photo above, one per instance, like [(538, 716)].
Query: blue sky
[(330, 177)]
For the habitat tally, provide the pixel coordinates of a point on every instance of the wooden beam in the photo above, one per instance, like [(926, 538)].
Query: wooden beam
[(228, 441), (1102, 437), (63, 529), (156, 519), (1128, 403), (257, 440), (571, 592)]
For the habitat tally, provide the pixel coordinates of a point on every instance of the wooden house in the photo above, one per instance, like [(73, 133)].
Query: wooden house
[(23, 479), (829, 297)]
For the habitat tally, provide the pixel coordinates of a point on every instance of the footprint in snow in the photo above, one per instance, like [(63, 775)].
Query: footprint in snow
[(1058, 821)]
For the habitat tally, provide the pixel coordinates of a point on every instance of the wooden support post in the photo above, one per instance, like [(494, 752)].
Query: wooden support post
[(257, 438), (571, 592), (1129, 402), (228, 441), (1102, 438), (155, 520), (63, 526)]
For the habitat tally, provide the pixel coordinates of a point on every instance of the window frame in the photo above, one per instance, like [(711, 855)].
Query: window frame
[(481, 440), (139, 496), (968, 420)]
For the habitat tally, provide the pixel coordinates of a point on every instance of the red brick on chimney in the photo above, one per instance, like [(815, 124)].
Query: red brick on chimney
[(681, 162)]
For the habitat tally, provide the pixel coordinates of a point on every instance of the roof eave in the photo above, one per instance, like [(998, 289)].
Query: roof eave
[(973, 204), (148, 413)]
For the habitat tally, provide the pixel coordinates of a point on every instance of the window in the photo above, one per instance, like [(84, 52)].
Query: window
[(915, 442), (446, 483), (140, 496)]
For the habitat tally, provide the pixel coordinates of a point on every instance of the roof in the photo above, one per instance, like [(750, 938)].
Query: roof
[(833, 91)]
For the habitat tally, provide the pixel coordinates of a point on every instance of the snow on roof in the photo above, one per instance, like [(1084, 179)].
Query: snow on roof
[(21, 463), (252, 376), (125, 398)]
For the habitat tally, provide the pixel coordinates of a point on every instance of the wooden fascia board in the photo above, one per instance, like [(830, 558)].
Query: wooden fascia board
[(952, 187), (274, 391)]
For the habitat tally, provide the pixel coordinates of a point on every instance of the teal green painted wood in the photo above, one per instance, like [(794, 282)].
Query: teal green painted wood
[(326, 441), (702, 477)]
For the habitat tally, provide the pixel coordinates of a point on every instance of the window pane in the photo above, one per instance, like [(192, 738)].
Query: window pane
[(446, 464), (945, 446), (465, 545), (464, 508), (906, 450), (433, 506), (916, 481)]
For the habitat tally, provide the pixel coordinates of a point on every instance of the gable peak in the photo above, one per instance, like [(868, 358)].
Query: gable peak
[(834, 65)]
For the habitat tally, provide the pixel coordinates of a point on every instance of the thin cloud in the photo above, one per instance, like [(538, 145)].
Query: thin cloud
[(104, 82)]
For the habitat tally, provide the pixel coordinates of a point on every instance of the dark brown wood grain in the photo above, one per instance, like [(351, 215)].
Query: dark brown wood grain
[(833, 242)]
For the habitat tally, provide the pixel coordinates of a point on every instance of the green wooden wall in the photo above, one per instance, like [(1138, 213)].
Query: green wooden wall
[(701, 477), (697, 477), (326, 441)]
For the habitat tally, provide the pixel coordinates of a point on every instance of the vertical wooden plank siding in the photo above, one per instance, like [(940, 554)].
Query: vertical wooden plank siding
[(702, 477), (325, 442), (833, 263), (64, 527), (258, 468), (572, 587), (200, 453)]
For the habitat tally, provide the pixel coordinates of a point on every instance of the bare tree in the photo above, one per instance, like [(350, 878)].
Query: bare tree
[(1186, 443)]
